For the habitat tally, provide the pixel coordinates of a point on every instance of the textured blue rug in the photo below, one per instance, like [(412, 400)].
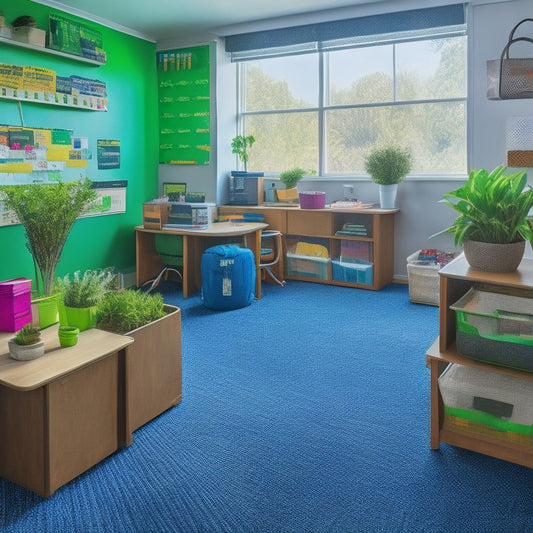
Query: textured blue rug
[(307, 411)]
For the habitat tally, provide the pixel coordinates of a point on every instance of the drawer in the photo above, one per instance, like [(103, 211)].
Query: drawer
[(316, 223)]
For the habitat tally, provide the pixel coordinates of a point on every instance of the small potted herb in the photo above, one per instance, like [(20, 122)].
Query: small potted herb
[(80, 295), (26, 344), (241, 145)]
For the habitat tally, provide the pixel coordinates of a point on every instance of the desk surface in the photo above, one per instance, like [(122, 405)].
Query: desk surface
[(93, 344), (217, 229)]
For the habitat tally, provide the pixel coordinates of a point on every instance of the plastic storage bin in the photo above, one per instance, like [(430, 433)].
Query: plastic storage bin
[(352, 272), (495, 328), (312, 200), (15, 304), (487, 402), (307, 266)]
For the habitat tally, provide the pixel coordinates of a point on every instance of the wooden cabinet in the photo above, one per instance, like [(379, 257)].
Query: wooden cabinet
[(62, 413), (456, 279), (364, 260)]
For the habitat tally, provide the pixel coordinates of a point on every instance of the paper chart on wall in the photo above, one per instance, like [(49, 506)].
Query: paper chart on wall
[(184, 106)]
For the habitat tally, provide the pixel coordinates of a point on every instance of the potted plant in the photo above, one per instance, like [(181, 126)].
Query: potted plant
[(80, 295), (26, 344), (387, 167), (153, 361), (48, 212), (240, 146), (493, 222), (290, 178)]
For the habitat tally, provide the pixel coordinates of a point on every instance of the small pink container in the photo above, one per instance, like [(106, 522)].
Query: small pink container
[(312, 200), (15, 304)]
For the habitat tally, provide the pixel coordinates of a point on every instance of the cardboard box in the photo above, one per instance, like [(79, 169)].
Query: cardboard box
[(155, 215), (29, 35)]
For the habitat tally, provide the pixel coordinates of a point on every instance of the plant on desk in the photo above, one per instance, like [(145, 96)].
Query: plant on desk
[(80, 296), (493, 223), (26, 344), (290, 178)]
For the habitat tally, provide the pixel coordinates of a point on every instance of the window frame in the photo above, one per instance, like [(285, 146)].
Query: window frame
[(323, 107)]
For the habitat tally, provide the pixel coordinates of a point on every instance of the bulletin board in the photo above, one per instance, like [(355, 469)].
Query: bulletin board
[(184, 105)]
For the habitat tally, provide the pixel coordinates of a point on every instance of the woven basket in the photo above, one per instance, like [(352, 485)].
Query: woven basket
[(490, 257), (520, 158)]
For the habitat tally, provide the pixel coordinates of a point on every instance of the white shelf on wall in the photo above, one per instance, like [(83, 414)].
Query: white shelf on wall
[(86, 103), (12, 42)]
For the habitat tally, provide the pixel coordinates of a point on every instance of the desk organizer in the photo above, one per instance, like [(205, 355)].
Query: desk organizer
[(495, 328), (15, 304), (488, 403)]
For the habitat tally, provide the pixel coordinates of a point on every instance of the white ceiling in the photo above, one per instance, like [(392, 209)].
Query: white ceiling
[(162, 19)]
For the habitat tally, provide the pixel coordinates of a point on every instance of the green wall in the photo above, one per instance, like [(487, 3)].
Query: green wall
[(130, 75)]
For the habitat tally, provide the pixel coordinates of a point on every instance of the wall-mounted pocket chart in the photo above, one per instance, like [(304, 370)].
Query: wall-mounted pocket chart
[(184, 105)]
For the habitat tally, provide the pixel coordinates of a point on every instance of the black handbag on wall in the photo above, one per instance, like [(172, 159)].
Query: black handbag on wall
[(509, 78)]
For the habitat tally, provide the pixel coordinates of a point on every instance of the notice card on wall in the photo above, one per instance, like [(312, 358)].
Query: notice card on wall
[(108, 153), (184, 105)]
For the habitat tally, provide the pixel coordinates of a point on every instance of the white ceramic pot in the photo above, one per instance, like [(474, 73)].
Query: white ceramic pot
[(387, 196)]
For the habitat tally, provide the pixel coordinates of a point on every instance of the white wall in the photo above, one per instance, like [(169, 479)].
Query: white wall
[(421, 214)]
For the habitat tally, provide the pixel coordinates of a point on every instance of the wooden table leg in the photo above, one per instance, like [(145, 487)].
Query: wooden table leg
[(186, 260)]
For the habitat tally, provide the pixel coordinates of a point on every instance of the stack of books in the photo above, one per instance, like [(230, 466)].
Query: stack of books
[(358, 230)]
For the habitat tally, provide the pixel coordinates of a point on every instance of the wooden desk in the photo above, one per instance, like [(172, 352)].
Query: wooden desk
[(194, 243), (62, 413)]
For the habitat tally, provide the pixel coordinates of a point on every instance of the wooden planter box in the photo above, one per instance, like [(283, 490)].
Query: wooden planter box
[(153, 369)]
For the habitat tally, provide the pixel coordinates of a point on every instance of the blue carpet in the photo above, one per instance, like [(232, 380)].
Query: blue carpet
[(307, 411)]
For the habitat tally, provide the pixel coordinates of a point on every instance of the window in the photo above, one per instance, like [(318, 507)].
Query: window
[(324, 109)]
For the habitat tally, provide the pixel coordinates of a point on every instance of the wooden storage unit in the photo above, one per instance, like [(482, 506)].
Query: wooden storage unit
[(456, 279), (305, 224), (321, 225), (64, 412)]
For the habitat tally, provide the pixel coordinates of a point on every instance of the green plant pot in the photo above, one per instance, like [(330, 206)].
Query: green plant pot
[(68, 335), (44, 311), (82, 318)]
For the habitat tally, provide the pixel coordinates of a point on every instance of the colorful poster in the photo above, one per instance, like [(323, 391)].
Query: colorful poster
[(184, 106), (108, 154)]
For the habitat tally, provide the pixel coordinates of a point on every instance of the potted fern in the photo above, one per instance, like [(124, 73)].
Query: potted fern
[(153, 361), (80, 294), (387, 167), (290, 178), (493, 223), (48, 212)]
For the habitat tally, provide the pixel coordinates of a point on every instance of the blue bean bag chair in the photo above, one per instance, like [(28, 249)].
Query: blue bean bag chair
[(228, 277)]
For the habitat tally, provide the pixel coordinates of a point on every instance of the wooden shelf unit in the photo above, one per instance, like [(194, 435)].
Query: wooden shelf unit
[(44, 50), (322, 224), (456, 279)]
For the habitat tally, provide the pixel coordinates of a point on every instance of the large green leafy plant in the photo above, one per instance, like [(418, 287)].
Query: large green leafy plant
[(493, 207), (48, 212)]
